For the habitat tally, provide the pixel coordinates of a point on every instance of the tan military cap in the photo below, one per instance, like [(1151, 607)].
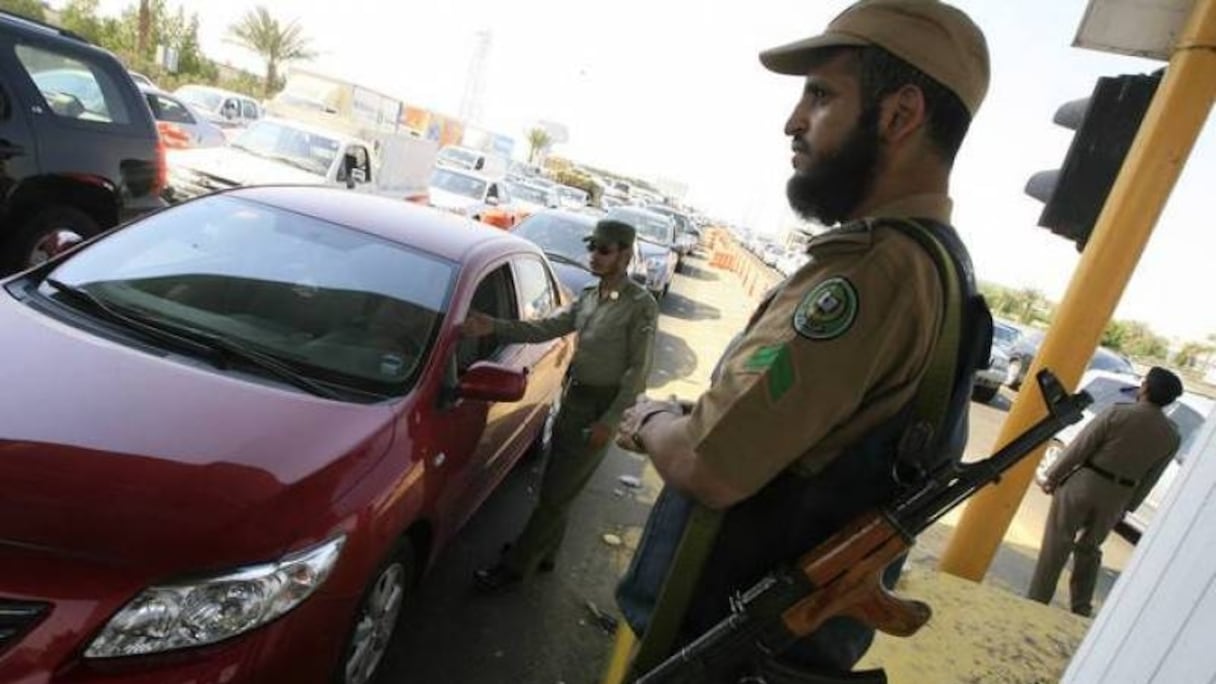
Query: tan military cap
[(932, 36), (609, 231)]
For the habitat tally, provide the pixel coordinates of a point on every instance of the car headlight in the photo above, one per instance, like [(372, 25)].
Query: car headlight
[(656, 264), (204, 611)]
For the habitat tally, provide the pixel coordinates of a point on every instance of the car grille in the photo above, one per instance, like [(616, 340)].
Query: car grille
[(17, 617), (185, 184)]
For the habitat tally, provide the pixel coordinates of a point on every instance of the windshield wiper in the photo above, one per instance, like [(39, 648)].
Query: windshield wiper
[(215, 348), (554, 256), (227, 348), (83, 299)]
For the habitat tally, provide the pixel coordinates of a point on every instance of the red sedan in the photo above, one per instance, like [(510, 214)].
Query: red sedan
[(233, 434)]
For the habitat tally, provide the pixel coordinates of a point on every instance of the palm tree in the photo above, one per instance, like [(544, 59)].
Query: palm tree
[(276, 43), (538, 141)]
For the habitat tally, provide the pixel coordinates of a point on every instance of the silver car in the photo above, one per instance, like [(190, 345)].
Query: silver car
[(168, 110)]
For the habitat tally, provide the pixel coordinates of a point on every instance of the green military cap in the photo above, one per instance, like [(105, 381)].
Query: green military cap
[(611, 231), (932, 36)]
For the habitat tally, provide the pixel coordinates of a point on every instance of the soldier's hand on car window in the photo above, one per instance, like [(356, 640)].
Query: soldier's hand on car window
[(477, 324)]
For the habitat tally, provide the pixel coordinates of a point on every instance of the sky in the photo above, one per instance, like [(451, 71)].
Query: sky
[(674, 89)]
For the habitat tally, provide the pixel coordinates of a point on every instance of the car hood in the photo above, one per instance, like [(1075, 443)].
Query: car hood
[(241, 168), (450, 200), (116, 453)]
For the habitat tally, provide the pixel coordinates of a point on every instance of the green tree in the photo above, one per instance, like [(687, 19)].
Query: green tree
[(32, 9), (276, 43), (1193, 354), (538, 141)]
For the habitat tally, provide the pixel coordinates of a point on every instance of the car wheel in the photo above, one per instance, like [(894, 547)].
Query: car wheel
[(375, 628), (33, 242), (1013, 377), (983, 394), (1055, 448)]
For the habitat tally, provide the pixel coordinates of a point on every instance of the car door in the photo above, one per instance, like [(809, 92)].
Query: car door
[(18, 152), (546, 361), (476, 436)]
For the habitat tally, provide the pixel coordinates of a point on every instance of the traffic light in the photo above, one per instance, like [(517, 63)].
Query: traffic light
[(1106, 123)]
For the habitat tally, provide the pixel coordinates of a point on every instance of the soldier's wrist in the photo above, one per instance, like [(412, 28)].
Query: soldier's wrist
[(646, 418)]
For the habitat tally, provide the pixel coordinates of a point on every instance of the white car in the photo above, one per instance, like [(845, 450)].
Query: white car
[(273, 151), (461, 191), (1187, 414), (222, 107)]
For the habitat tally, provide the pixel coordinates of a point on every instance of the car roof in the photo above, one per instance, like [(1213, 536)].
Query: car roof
[(430, 230)]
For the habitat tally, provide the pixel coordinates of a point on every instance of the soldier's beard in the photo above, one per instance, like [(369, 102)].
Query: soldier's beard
[(830, 189)]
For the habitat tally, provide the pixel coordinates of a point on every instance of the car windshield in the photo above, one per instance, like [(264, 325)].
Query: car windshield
[(1106, 361), (207, 100), (557, 235), (458, 183), (310, 151), (529, 193), (1004, 335), (650, 227), (338, 305), (573, 194), (460, 157)]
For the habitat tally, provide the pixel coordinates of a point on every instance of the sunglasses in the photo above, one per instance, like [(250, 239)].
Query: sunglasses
[(602, 250)]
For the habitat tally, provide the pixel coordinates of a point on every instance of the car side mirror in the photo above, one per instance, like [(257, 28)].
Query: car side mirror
[(358, 176), (485, 381), (492, 200), (347, 173)]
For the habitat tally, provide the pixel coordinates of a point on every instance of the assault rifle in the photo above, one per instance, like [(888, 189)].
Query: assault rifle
[(843, 575)]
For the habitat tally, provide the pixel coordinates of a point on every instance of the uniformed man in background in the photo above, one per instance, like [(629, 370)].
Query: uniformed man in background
[(1108, 470), (796, 435), (615, 320)]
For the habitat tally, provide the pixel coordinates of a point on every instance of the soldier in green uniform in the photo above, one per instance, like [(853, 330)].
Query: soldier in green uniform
[(615, 320), (799, 430)]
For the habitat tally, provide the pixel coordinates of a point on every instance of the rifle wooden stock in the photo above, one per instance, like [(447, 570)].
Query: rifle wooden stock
[(846, 571)]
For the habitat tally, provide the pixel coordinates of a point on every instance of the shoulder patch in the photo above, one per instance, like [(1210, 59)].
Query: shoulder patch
[(828, 310)]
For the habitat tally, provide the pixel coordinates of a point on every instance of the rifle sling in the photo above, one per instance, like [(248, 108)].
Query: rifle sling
[(929, 405)]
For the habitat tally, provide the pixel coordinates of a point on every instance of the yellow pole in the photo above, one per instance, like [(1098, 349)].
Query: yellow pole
[(1171, 125), (622, 654)]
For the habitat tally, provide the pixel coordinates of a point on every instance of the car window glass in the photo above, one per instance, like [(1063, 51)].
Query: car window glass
[(535, 289), (495, 297), (336, 303), (73, 88), (249, 110), (170, 110)]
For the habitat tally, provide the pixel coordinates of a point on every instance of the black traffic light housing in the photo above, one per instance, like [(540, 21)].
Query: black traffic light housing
[(1106, 122)]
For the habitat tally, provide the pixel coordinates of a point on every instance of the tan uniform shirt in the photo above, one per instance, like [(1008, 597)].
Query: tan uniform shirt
[(1131, 441), (839, 349), (615, 340)]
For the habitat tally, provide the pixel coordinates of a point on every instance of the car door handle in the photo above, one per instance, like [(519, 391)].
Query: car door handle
[(8, 149)]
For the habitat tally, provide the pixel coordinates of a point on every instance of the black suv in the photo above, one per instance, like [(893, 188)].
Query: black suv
[(79, 151)]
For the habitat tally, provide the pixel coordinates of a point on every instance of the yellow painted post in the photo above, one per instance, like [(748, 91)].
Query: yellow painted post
[(1171, 126), (622, 653)]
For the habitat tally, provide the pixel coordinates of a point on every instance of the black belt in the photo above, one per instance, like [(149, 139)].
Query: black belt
[(603, 389), (1119, 480)]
